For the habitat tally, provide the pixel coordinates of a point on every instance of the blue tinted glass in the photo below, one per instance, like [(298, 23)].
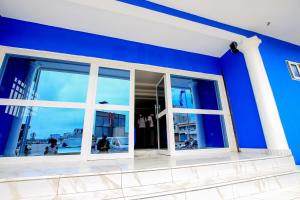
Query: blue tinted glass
[(163, 138), (37, 131), (161, 96), (113, 86), (110, 132), (25, 78), (198, 131), (62, 83), (194, 93), (295, 71)]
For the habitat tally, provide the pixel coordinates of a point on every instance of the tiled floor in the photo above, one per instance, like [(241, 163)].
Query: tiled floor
[(291, 193), (213, 176), (44, 169)]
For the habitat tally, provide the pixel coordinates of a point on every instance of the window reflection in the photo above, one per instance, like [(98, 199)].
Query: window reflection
[(110, 132), (36, 131), (161, 95), (194, 93), (26, 78), (196, 131), (113, 86)]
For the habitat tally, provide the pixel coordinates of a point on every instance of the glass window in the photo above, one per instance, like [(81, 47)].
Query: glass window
[(198, 131), (37, 131), (110, 132), (195, 93), (161, 96), (26, 78), (295, 71), (163, 141), (113, 86)]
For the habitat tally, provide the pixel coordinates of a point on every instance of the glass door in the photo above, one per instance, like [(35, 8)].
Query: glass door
[(161, 116)]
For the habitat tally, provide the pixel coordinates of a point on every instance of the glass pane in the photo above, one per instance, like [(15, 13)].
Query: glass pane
[(113, 86), (161, 96), (195, 93), (198, 131), (295, 71), (37, 131), (163, 141), (110, 132), (26, 78)]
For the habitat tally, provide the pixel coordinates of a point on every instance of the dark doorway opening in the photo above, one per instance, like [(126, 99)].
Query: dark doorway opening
[(146, 134)]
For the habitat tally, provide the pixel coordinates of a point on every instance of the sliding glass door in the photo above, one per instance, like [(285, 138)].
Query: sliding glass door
[(161, 116)]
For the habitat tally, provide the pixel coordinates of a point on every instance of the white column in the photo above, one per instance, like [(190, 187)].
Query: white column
[(89, 117), (268, 113)]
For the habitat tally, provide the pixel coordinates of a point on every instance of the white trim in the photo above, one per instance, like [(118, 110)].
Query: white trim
[(227, 116), (39, 103), (151, 15), (131, 114), (162, 113), (90, 106), (109, 156), (111, 107), (39, 159), (2, 55), (198, 111), (169, 114), (201, 151), (89, 117), (105, 62)]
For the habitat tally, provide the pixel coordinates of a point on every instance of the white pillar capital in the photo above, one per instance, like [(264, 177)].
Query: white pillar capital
[(249, 43), (265, 101)]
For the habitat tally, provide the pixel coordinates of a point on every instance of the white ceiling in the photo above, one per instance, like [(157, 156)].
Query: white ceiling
[(248, 14), (120, 20), (145, 84), (147, 77)]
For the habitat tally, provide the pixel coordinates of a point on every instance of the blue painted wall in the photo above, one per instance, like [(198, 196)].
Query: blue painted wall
[(286, 91), (40, 37), (242, 102), (16, 67)]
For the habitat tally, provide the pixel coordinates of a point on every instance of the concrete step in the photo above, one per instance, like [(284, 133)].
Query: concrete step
[(230, 179)]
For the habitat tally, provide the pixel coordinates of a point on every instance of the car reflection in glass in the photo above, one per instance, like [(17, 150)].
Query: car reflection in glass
[(117, 144), (70, 146)]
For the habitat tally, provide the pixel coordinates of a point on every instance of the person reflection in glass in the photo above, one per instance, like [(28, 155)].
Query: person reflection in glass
[(52, 148), (103, 144)]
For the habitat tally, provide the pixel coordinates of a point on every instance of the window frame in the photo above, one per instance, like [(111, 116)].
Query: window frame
[(224, 111), (289, 64), (90, 104)]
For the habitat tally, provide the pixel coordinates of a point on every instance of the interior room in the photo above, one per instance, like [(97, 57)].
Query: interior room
[(145, 109)]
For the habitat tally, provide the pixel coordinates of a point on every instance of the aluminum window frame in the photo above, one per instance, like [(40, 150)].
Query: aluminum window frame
[(90, 105)]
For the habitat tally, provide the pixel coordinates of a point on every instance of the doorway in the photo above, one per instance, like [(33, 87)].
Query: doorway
[(150, 121)]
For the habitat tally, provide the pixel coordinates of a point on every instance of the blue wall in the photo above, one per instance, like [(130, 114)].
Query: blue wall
[(40, 37), (286, 91), (242, 102), (16, 67)]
